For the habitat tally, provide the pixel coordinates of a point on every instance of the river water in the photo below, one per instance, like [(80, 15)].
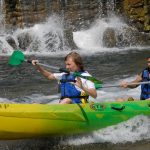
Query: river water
[(23, 84)]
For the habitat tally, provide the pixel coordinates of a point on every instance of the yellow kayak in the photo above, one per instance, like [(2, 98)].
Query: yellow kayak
[(41, 120)]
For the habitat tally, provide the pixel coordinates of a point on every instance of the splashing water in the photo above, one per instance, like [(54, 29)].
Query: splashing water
[(135, 129), (2, 24), (111, 94), (93, 38), (48, 38), (45, 37)]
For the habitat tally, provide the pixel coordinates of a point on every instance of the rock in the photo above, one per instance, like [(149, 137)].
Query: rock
[(77, 15), (69, 39), (24, 40), (11, 42), (138, 11), (109, 38)]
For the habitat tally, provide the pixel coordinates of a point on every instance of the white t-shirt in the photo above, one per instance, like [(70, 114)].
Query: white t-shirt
[(86, 83)]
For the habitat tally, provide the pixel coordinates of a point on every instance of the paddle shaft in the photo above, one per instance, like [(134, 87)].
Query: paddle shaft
[(139, 83), (18, 58), (66, 71), (49, 66)]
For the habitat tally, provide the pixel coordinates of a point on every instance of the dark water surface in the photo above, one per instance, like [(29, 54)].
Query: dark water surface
[(25, 80), (21, 84), (52, 144)]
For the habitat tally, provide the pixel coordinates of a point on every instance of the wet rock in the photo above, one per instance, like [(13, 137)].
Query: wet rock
[(12, 42), (24, 40), (138, 12), (109, 38), (77, 15), (132, 37), (69, 39)]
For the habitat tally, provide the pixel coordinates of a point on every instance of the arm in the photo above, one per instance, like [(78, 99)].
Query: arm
[(128, 84), (90, 91), (49, 75)]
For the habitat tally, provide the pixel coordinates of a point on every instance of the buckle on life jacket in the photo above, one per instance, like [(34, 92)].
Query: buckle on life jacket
[(85, 98)]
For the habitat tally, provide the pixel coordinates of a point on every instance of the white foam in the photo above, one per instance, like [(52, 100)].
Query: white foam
[(50, 32), (112, 93), (38, 98), (135, 129), (5, 100), (90, 41), (48, 38), (92, 38)]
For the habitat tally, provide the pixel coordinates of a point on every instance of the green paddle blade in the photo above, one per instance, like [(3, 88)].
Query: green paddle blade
[(98, 86), (16, 58), (94, 80)]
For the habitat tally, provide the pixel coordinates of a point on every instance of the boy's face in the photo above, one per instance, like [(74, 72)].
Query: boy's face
[(70, 65)]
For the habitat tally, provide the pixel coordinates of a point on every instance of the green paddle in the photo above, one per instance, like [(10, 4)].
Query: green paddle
[(17, 58)]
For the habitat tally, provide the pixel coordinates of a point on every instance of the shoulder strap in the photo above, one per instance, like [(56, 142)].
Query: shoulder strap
[(146, 69), (65, 79)]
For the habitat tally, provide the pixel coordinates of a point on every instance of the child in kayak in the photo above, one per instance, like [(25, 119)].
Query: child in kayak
[(73, 89), (143, 77)]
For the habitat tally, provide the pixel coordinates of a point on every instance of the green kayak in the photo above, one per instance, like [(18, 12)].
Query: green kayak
[(41, 120)]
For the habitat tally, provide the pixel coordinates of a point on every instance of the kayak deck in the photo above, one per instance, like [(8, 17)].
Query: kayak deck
[(42, 120)]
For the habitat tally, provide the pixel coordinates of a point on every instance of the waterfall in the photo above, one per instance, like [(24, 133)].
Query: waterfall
[(110, 5), (5, 48), (2, 23), (93, 24), (43, 38), (109, 31), (93, 37), (106, 8)]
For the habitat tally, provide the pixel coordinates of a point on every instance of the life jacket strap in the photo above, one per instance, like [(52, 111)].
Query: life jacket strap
[(66, 80), (86, 97), (146, 92)]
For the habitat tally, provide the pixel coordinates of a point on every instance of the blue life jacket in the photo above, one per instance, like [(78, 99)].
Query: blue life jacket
[(145, 88), (68, 90)]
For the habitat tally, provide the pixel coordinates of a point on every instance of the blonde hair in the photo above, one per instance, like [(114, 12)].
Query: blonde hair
[(77, 59)]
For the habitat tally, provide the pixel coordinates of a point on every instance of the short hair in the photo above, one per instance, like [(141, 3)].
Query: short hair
[(77, 59), (148, 57)]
